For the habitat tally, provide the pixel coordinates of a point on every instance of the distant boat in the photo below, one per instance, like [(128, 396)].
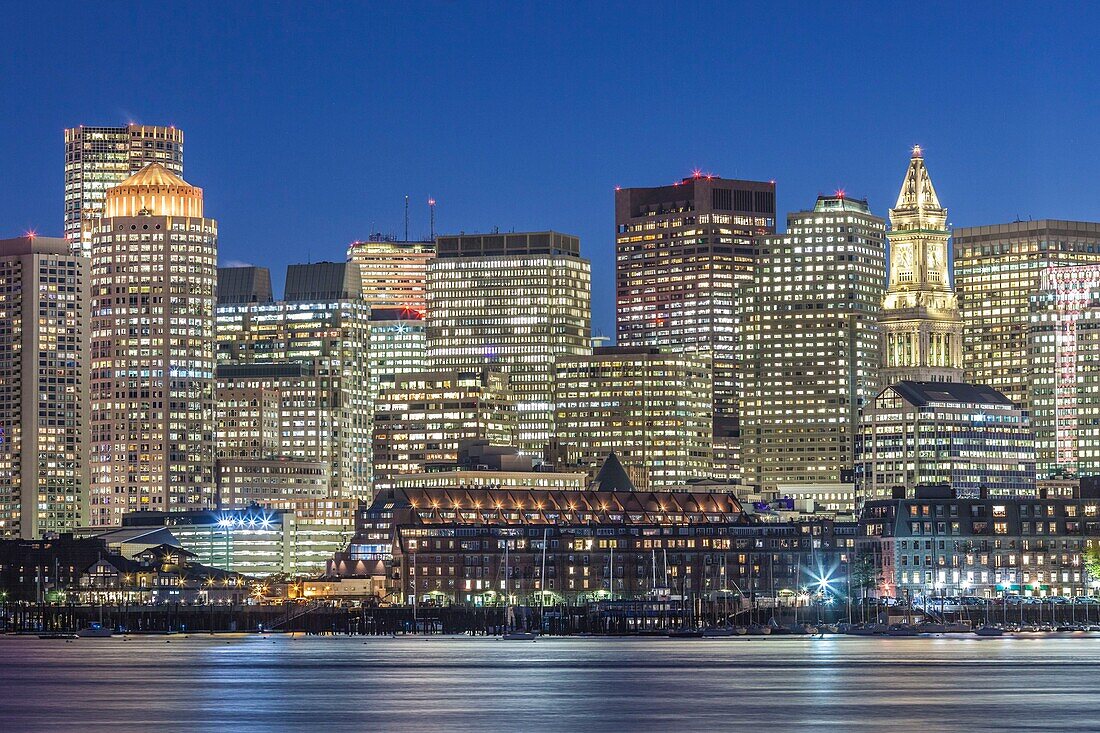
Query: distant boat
[(58, 635), (718, 631), (758, 630), (95, 631), (520, 636), (685, 634), (989, 631)]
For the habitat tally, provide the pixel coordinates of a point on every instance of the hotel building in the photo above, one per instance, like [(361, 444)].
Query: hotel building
[(153, 275), (518, 301), (44, 299), (920, 321), (998, 269), (99, 158), (1063, 368), (970, 438), (812, 345), (651, 408)]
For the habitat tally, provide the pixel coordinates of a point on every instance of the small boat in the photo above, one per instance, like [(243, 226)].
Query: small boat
[(958, 628), (989, 631), (758, 630), (58, 635), (685, 634), (95, 631), (718, 631), (902, 630), (519, 636), (930, 627)]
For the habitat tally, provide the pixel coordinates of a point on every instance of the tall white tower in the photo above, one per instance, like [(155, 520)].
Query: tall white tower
[(920, 322)]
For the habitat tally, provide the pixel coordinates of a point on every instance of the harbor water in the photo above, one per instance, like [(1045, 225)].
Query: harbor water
[(280, 682)]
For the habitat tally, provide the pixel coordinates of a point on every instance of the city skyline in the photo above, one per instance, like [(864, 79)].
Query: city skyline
[(487, 165)]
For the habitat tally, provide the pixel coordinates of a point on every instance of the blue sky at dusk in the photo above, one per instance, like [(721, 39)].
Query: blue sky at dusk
[(306, 126)]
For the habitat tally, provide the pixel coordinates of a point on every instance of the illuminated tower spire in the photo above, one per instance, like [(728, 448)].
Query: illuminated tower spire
[(920, 322)]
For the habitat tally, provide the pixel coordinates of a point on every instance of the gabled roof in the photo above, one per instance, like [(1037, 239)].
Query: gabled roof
[(920, 394)]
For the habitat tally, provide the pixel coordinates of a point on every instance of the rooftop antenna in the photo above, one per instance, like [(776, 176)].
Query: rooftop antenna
[(431, 208), (406, 217)]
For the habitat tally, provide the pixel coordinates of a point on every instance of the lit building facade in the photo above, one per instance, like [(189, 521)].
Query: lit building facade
[(684, 253), (44, 311), (398, 345), (933, 546), (811, 344), (452, 545), (293, 376), (270, 481), (153, 276), (998, 269), (651, 408), (394, 273), (970, 438), (424, 418), (1063, 368), (99, 158), (920, 321), (518, 301)]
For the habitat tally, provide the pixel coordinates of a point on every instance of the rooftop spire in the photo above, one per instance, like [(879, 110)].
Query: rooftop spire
[(917, 200)]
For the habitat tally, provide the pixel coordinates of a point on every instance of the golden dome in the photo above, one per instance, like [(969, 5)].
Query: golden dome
[(156, 190), (154, 174)]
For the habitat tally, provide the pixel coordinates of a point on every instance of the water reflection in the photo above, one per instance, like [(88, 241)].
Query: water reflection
[(252, 683)]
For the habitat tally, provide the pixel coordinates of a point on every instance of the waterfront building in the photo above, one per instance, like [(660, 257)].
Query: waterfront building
[(293, 377), (920, 321), (969, 437), (683, 254), (651, 408), (517, 301), (1063, 372), (811, 344), (448, 546), (394, 274), (934, 545), (398, 345), (44, 311), (998, 269), (99, 158), (423, 420), (153, 277)]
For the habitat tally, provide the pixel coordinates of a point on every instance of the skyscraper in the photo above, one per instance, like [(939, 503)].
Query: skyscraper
[(292, 375), (519, 301), (1063, 368), (683, 254), (97, 158), (398, 345), (812, 345), (651, 408), (154, 268), (997, 270), (43, 387), (394, 273), (920, 322)]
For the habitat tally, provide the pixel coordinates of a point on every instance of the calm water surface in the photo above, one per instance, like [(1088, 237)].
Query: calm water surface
[(280, 683)]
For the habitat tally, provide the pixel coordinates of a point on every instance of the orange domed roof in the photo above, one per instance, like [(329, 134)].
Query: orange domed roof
[(154, 174), (153, 190)]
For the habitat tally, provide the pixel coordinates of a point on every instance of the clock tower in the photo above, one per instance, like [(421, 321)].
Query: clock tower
[(920, 322)]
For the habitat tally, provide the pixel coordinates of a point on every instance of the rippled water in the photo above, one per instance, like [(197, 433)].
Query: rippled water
[(280, 683)]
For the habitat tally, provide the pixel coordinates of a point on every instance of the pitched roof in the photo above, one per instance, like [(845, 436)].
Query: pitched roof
[(612, 476), (920, 394)]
